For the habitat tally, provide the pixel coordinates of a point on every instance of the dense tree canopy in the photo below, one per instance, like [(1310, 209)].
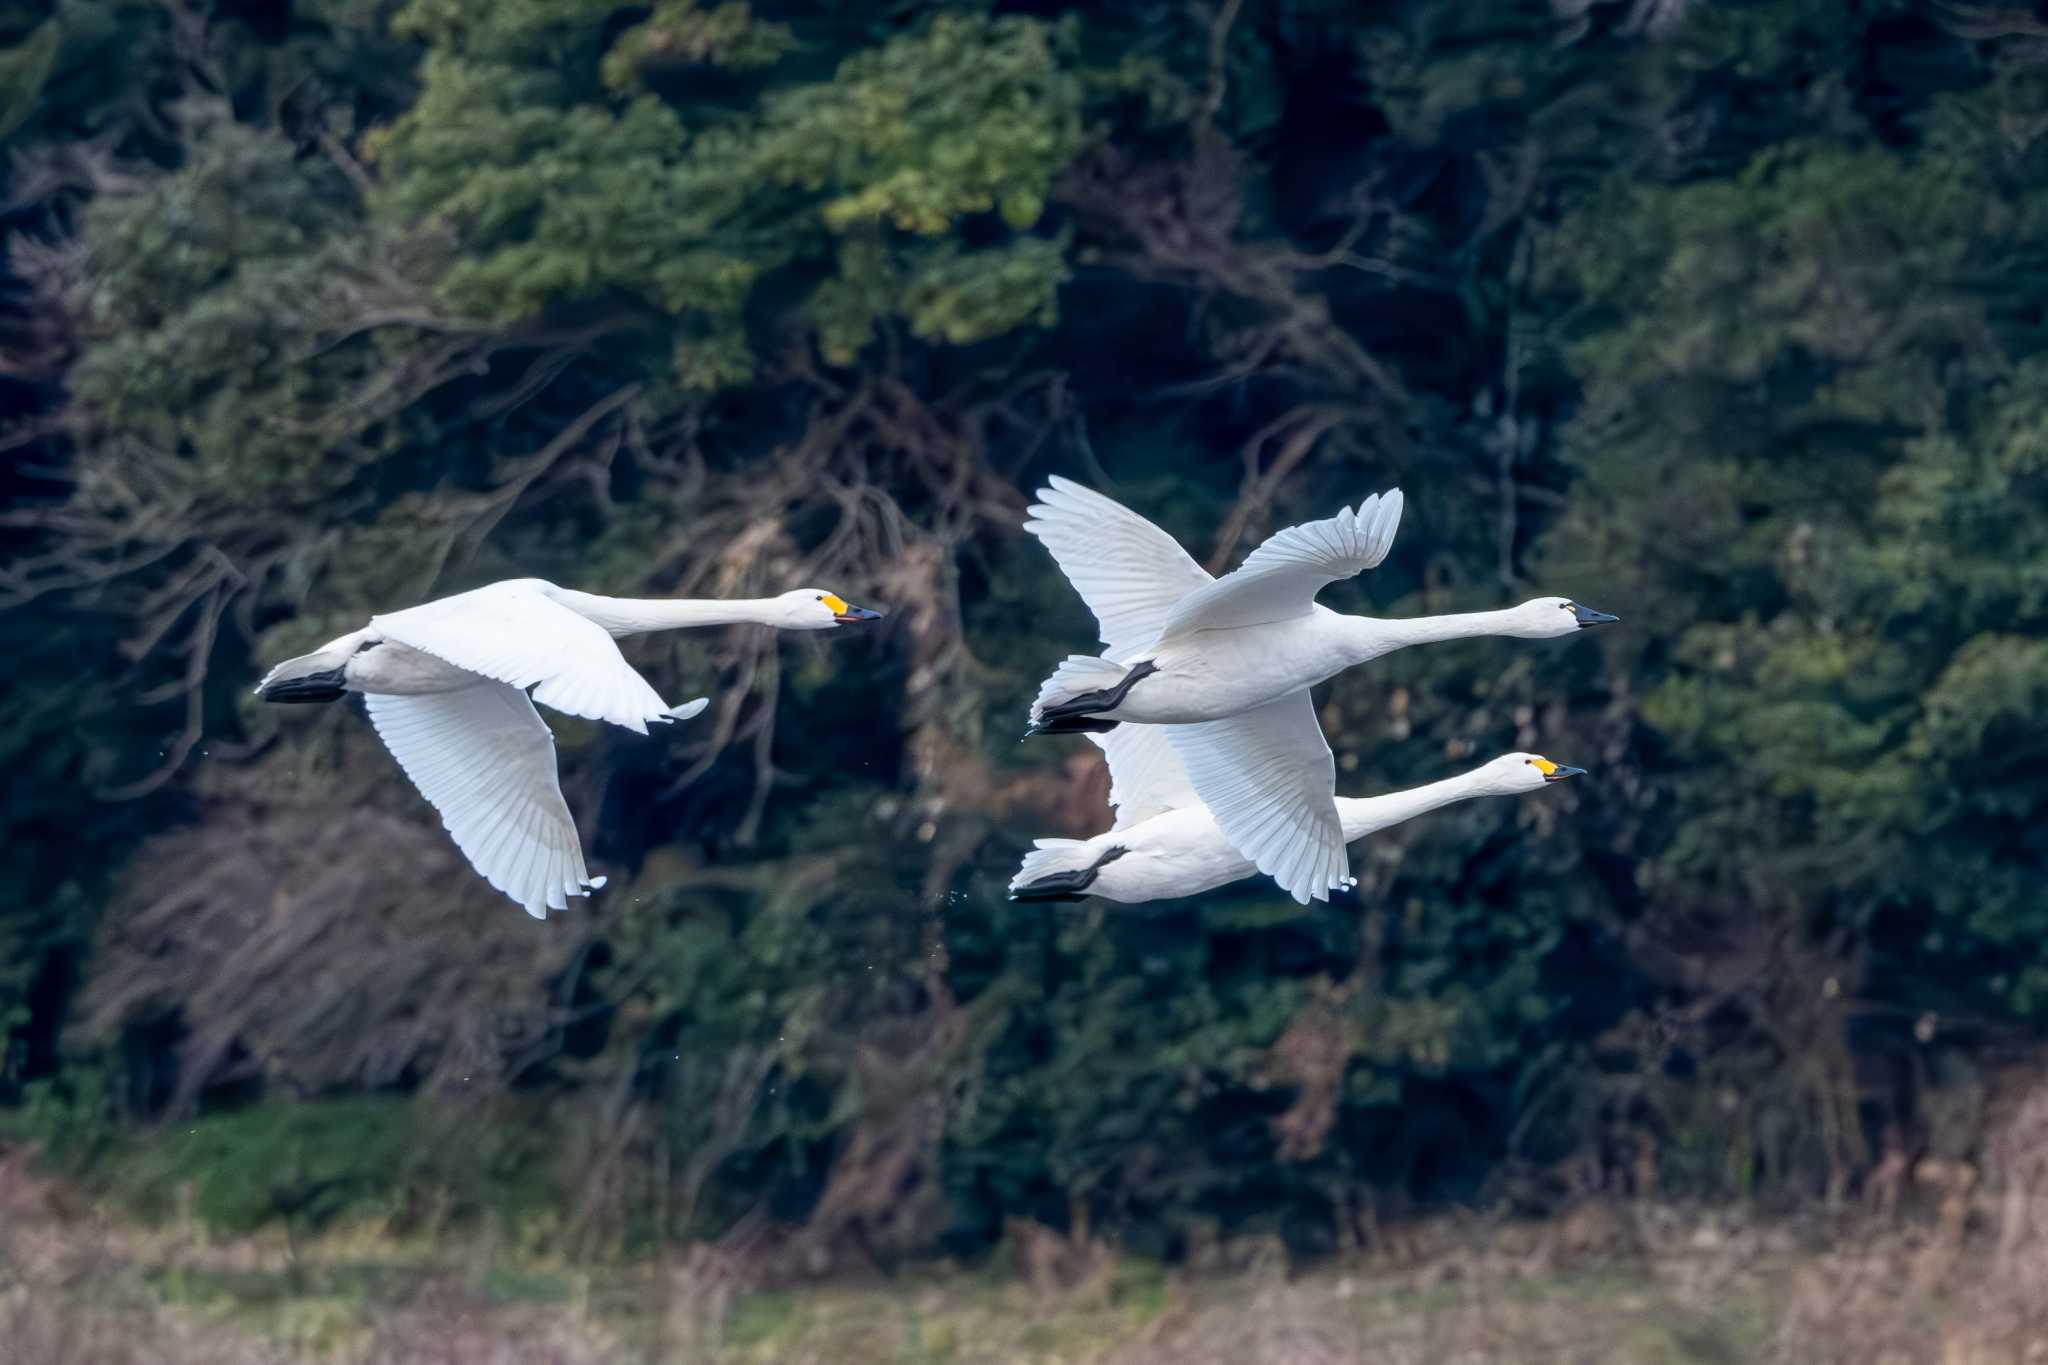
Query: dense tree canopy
[(1725, 315)]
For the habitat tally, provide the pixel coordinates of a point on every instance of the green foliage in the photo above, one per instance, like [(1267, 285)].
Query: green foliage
[(680, 34), (72, 1119), (255, 1166), (562, 187), (63, 746), (309, 1163), (25, 68), (1725, 317), (202, 318), (1832, 449)]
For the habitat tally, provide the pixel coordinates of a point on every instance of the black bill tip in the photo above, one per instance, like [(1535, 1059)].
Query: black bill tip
[(1563, 771), (1588, 617), (855, 614)]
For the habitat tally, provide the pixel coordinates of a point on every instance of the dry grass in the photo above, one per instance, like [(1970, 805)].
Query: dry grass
[(1941, 1279)]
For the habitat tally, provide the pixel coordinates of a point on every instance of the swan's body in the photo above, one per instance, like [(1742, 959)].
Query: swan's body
[(446, 684), (1227, 662), (1217, 673), (1178, 850)]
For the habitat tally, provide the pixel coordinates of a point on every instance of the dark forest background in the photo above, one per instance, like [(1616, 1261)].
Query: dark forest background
[(1730, 318)]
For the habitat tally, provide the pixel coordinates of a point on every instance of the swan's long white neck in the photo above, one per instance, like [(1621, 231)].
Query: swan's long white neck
[(1371, 636), (636, 615), (1364, 814)]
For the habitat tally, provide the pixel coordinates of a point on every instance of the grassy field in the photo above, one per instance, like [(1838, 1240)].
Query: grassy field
[(1611, 1283)]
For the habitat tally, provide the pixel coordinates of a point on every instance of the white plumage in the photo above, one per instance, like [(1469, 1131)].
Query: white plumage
[(1145, 776), (515, 633), (1226, 663), (1128, 571), (1280, 579), (485, 760), (1269, 782), (446, 686), (1179, 849)]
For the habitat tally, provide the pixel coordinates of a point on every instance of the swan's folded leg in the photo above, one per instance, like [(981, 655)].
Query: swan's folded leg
[(485, 760), (1080, 689), (327, 684), (314, 677), (1268, 778), (1061, 869)]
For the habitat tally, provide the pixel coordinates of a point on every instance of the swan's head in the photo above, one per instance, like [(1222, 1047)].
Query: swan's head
[(1541, 618), (818, 609), (1512, 773)]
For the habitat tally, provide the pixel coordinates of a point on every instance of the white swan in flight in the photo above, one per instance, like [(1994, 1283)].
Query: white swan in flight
[(446, 684), (1166, 845), (1227, 662)]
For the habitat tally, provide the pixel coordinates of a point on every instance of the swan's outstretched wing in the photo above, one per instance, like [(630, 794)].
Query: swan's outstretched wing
[(515, 633), (484, 758), (1280, 579), (1128, 571), (1146, 777), (1267, 776)]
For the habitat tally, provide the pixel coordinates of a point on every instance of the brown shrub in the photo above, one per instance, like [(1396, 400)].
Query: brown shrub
[(318, 945)]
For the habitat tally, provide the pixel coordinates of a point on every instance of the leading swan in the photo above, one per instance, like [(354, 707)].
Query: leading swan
[(1165, 843), (446, 684), (1227, 662)]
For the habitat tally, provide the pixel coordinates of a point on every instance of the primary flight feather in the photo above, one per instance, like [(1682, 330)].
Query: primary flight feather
[(1227, 663), (1166, 844), (450, 687)]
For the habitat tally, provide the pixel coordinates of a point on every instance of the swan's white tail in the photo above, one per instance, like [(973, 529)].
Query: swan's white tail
[(1048, 856), (1077, 674)]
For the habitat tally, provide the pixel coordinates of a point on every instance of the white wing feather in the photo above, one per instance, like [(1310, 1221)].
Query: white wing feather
[(1280, 579), (515, 633), (1146, 777), (1267, 777), (486, 761), (1128, 571)]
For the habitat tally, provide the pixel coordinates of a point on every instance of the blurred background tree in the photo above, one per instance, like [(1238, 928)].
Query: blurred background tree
[(1724, 316)]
